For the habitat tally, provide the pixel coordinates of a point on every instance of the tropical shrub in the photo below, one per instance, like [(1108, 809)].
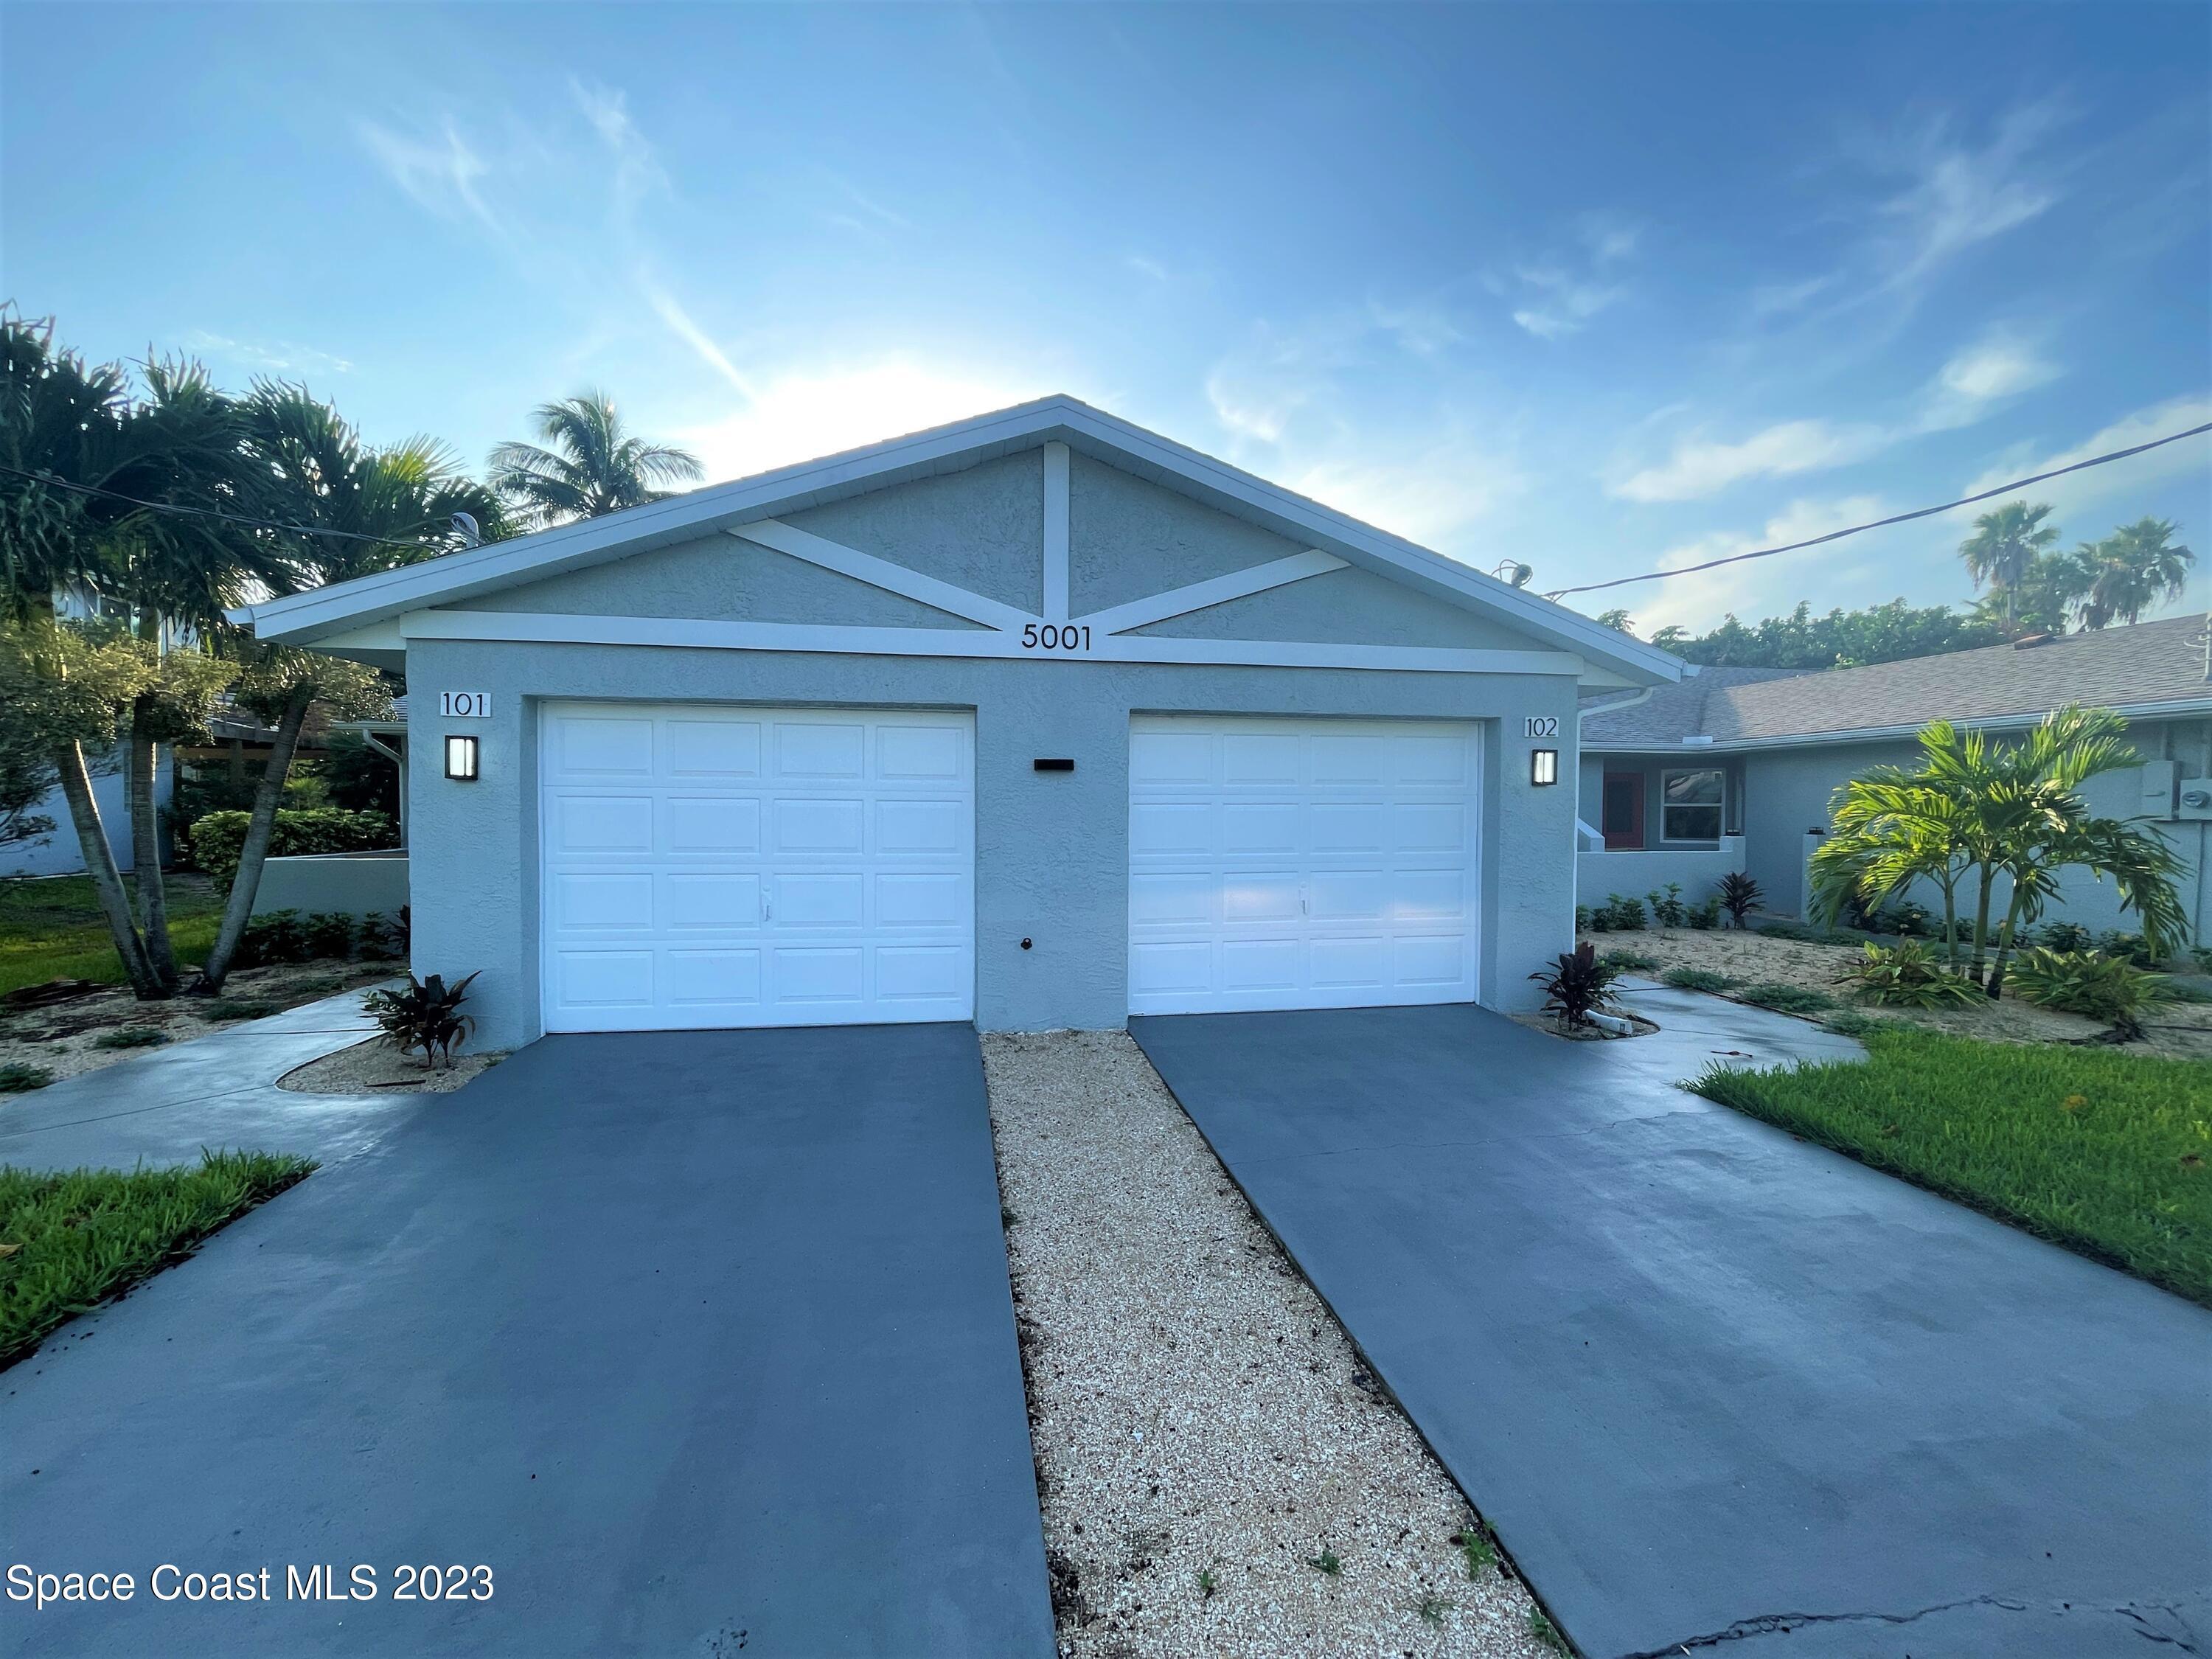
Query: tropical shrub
[(384, 939), (273, 937), (1666, 907), (131, 1036), (218, 838), (328, 934), (1737, 893), (1907, 975), (1706, 916), (426, 1015), (2106, 987), (2133, 947), (1585, 918), (1575, 984), (1697, 978), (2065, 936), (1629, 962), (1623, 915), (1788, 998)]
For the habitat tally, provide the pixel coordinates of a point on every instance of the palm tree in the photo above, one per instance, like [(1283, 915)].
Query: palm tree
[(2009, 812), (592, 467), (2004, 547), (358, 509), (87, 468), (2131, 570)]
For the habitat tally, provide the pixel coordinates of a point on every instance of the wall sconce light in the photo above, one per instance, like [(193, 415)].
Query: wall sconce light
[(1543, 766), (461, 758)]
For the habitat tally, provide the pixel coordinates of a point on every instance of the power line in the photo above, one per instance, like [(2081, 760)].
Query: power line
[(1900, 518), (48, 479)]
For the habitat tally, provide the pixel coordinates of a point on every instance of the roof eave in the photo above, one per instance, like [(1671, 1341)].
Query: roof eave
[(1878, 733)]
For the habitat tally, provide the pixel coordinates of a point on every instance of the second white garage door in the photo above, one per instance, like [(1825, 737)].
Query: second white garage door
[(1300, 864), (716, 867)]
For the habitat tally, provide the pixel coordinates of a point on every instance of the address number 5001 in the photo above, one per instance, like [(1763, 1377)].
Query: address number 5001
[(1053, 636)]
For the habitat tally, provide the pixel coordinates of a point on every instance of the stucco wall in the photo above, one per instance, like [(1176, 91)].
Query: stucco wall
[(1127, 537), (57, 854), (1354, 605), (1051, 848), (981, 528), (720, 578)]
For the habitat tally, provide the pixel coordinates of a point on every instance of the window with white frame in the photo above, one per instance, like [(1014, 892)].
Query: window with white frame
[(1690, 804)]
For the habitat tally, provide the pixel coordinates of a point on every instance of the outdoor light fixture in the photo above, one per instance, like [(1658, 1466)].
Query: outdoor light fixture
[(461, 758), (1543, 766)]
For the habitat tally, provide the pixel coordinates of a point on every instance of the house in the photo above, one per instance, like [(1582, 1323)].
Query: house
[(1038, 719), (1733, 769)]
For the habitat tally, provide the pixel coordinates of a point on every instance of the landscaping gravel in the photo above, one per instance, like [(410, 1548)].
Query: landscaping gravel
[(378, 1067), (1218, 1472)]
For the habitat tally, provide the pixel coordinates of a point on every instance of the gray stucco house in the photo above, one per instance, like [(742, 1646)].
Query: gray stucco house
[(1038, 719), (1732, 768)]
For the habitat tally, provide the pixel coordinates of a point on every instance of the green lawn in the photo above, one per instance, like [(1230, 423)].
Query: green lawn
[(68, 1242), (51, 928), (2104, 1152)]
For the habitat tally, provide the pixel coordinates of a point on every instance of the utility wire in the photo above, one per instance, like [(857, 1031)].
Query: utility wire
[(49, 480), (1900, 518)]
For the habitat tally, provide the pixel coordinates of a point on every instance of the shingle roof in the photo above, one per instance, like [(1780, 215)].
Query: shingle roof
[(2148, 664)]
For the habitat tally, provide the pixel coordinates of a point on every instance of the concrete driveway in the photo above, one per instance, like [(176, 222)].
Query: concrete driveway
[(701, 1343), (1715, 1388)]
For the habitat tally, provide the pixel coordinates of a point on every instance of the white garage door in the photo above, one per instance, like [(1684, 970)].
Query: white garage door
[(713, 866), (1300, 864)]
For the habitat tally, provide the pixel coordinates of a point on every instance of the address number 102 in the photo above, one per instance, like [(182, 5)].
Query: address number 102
[(1054, 636), (1544, 726)]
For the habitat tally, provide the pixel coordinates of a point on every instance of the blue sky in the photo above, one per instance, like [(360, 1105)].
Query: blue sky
[(1603, 288)]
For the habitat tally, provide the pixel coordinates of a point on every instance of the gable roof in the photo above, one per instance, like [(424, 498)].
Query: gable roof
[(2150, 668), (318, 613)]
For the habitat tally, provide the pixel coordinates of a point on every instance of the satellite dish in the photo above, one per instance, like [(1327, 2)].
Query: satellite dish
[(464, 526), (1514, 572)]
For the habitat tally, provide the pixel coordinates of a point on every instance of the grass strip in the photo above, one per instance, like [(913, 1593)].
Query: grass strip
[(69, 1242), (2107, 1153)]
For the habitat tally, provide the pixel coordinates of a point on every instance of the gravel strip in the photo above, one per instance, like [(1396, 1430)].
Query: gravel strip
[(378, 1067), (1204, 1430)]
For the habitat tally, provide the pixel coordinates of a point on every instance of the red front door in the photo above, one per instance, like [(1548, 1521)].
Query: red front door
[(1620, 814)]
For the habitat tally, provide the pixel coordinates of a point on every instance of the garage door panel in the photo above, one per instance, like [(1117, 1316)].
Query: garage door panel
[(603, 824), (710, 824), (821, 750), (603, 902), (725, 979), (808, 827), (599, 746), (921, 753), (712, 748), (709, 903), (919, 973), (907, 829), (829, 899), (919, 900), (1168, 827), (1300, 863), (755, 866), (605, 979), (1260, 896), (1172, 758), (1264, 827)]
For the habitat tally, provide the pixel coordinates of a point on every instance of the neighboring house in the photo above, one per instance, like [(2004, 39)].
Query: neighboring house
[(58, 853), (1038, 719), (1733, 769)]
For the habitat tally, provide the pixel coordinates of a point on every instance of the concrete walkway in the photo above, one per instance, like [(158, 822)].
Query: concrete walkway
[(701, 1343), (1715, 1388), (218, 1092)]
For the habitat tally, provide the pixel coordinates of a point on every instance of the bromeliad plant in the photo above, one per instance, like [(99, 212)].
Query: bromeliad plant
[(1575, 985), (425, 1016), (2107, 988), (1737, 893), (1909, 975), (1974, 813)]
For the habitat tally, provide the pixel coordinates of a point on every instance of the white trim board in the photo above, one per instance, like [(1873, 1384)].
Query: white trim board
[(1199, 596), (1055, 533), (303, 618), (880, 573), (534, 627)]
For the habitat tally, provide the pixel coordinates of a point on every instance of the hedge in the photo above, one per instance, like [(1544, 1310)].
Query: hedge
[(218, 838)]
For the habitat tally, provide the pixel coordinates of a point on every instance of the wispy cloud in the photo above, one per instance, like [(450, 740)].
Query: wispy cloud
[(439, 170), (1700, 467), (277, 357), (1561, 292), (1959, 194), (2078, 491), (1999, 366), (1430, 494)]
